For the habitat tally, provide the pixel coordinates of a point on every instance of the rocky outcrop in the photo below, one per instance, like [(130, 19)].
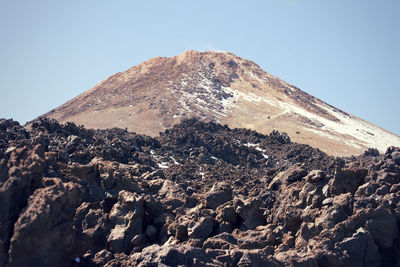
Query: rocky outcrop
[(197, 195), (44, 232)]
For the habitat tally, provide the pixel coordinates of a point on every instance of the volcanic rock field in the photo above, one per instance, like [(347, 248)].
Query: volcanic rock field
[(199, 194)]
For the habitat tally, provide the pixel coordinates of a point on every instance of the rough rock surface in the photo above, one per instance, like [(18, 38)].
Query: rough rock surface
[(197, 195)]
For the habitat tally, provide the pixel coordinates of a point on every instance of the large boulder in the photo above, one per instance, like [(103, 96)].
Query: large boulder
[(347, 180), (44, 234), (250, 212), (218, 195), (201, 229), (127, 215), (360, 249), (383, 227), (291, 175), (21, 175)]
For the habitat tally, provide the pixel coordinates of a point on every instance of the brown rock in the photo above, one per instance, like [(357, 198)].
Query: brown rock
[(315, 176), (218, 195), (360, 249), (201, 229), (227, 213), (383, 227), (127, 215), (250, 212), (347, 180), (44, 233)]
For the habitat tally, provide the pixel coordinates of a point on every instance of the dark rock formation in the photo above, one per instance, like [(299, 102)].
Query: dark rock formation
[(198, 195)]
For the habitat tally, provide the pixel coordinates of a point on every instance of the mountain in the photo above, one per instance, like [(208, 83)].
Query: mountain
[(199, 194), (221, 87)]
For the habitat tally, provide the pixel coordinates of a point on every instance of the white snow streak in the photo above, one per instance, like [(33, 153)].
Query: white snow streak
[(163, 165), (368, 134)]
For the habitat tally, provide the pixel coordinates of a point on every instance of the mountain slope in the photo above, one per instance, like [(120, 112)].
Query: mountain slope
[(158, 93)]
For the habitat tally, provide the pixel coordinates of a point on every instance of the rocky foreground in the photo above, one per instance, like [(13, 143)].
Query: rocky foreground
[(200, 194)]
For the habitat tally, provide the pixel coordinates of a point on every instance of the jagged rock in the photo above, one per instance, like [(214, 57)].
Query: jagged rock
[(25, 166), (221, 241), (255, 239), (294, 173), (201, 229), (85, 172), (49, 217), (108, 202), (127, 215), (172, 195), (170, 255), (256, 258), (138, 242), (95, 226), (218, 195), (383, 227), (360, 249), (366, 189), (180, 231), (102, 257), (315, 176), (227, 213), (305, 233), (250, 212), (347, 180), (330, 217)]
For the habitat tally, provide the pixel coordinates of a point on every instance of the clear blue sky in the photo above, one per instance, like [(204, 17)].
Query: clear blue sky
[(345, 52)]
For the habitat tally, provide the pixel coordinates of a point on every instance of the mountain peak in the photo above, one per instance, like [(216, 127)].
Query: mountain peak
[(222, 87)]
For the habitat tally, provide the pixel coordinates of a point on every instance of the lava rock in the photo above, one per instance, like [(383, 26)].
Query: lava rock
[(201, 229), (127, 216), (218, 195)]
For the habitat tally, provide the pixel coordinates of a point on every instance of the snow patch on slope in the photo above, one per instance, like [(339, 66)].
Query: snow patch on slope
[(206, 96), (367, 134), (254, 76), (202, 95), (372, 135), (249, 97)]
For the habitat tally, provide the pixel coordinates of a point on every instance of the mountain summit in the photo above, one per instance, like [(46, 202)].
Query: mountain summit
[(222, 87)]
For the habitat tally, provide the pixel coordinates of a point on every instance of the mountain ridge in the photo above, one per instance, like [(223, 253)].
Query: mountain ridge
[(219, 86)]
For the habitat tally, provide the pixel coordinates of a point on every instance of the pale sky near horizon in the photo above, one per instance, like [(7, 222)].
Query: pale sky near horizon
[(345, 52)]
